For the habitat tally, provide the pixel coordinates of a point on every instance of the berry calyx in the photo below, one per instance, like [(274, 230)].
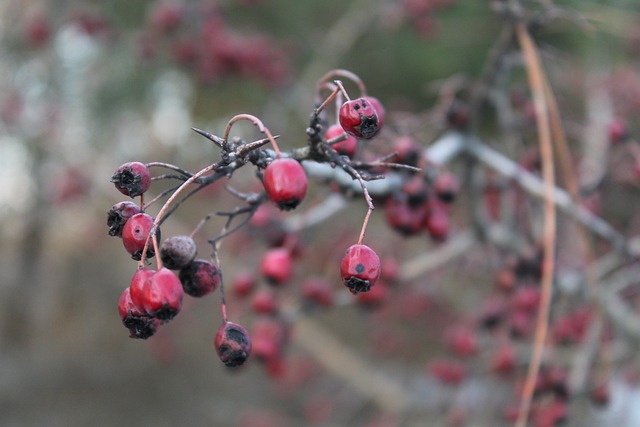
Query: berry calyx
[(199, 278), (347, 146), (118, 215), (135, 234), (140, 325), (359, 268), (233, 344), (277, 266), (163, 295), (177, 251), (132, 179), (285, 182), (359, 118)]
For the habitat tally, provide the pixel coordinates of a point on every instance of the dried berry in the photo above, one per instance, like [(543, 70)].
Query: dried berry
[(177, 251), (140, 325), (132, 179), (233, 344), (118, 215), (200, 277)]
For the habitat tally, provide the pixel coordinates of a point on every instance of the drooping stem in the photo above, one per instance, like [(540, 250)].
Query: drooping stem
[(339, 72), (256, 121)]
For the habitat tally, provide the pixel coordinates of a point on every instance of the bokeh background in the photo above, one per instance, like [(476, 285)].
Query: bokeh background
[(88, 85)]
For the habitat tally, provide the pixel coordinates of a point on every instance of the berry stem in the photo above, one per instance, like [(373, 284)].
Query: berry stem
[(154, 238), (342, 89), (256, 121)]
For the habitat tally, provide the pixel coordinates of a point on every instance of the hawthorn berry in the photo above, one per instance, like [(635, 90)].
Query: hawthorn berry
[(135, 234), (277, 265), (446, 187), (132, 179), (243, 284), (264, 302), (285, 182), (118, 215), (436, 222), (140, 325), (177, 251), (318, 291), (377, 105), (359, 118), (199, 277), (138, 282), (233, 344), (359, 268), (163, 295), (347, 146)]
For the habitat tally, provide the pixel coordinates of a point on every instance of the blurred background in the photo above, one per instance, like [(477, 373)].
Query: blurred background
[(86, 86)]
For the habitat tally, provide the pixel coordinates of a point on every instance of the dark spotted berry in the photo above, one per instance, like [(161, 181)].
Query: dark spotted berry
[(132, 179), (118, 215), (200, 277), (347, 146), (377, 105), (233, 344), (163, 295), (177, 251), (135, 234), (359, 118), (359, 268), (446, 187), (140, 324), (285, 182)]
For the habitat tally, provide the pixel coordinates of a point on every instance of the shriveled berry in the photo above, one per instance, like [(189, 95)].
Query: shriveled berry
[(347, 146), (233, 344), (277, 266), (177, 251), (359, 268), (359, 118), (163, 295), (132, 179), (118, 215), (140, 325), (138, 282), (285, 182), (135, 234), (199, 278)]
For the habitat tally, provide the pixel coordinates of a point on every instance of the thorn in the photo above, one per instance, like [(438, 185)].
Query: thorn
[(216, 139)]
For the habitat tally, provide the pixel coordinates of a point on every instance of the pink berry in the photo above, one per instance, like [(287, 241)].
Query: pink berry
[(233, 344), (118, 215), (135, 234), (163, 295), (199, 278), (285, 182), (243, 284), (347, 146), (277, 266), (132, 179), (140, 325), (264, 302), (359, 268), (359, 118), (436, 223), (318, 291)]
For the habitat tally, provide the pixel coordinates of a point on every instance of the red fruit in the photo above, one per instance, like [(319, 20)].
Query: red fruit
[(437, 223), (269, 338), (119, 215), (135, 234), (163, 295), (359, 268), (139, 324), (318, 291), (277, 266), (377, 105), (233, 344), (447, 371), (243, 284), (375, 297), (38, 30), (446, 187), (617, 130), (199, 278), (264, 302), (347, 146), (506, 279), (403, 218), (462, 342), (504, 360), (359, 118), (285, 182), (409, 152), (138, 282), (132, 179)]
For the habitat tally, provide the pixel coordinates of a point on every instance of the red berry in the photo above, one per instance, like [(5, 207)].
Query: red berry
[(177, 251), (347, 146), (375, 297), (264, 302), (359, 268), (135, 234), (359, 118), (269, 338), (447, 371), (503, 361), (199, 277), (119, 215), (409, 152), (403, 218), (163, 295), (446, 187), (243, 284), (462, 342), (140, 325), (437, 223), (318, 291), (233, 344), (285, 182), (132, 179), (377, 105), (617, 130), (138, 282), (277, 266)]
